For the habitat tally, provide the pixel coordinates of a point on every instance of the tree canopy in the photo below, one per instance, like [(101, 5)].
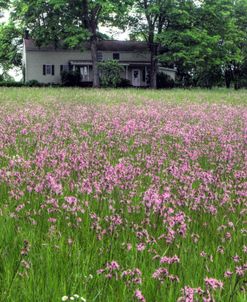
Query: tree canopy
[(206, 41)]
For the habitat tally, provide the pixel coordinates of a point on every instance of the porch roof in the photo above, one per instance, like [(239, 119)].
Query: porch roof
[(125, 63), (80, 62)]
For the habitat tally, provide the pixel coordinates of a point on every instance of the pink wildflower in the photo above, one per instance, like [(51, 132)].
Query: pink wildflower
[(139, 296), (213, 283)]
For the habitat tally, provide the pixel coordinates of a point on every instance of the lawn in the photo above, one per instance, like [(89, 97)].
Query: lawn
[(123, 195)]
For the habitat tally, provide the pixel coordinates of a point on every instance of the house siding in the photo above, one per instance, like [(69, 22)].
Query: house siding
[(34, 59), (127, 56)]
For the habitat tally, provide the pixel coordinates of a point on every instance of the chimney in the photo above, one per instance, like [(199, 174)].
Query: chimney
[(26, 34)]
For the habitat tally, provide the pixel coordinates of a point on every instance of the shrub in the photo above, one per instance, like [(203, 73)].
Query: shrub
[(164, 81), (124, 83), (32, 83), (11, 84), (70, 78), (110, 73)]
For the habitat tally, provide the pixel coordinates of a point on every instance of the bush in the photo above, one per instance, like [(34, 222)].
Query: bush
[(164, 81), (11, 84), (71, 78), (124, 83), (110, 73), (33, 83)]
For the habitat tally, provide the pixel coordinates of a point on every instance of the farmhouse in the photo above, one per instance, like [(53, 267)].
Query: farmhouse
[(45, 64)]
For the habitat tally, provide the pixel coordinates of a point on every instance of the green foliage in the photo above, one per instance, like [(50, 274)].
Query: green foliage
[(110, 73), (32, 83), (124, 83), (205, 42), (71, 78), (10, 83), (10, 42), (4, 4), (164, 81), (148, 21)]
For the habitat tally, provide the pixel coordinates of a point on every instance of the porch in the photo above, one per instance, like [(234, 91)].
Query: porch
[(136, 73)]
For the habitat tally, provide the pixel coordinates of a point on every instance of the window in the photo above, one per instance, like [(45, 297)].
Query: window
[(116, 56), (48, 70), (99, 56)]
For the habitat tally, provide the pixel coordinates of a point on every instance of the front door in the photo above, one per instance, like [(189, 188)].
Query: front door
[(136, 77)]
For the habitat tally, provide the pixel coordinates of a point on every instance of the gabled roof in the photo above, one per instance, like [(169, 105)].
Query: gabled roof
[(104, 45)]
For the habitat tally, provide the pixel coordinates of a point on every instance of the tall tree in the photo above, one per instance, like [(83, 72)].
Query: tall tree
[(204, 41), (4, 4), (74, 21), (218, 18), (149, 19), (10, 47), (88, 15)]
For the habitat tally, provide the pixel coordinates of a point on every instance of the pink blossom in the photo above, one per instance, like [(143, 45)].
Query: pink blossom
[(213, 283), (139, 296), (169, 260)]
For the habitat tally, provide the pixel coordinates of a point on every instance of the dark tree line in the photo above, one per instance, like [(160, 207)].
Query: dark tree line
[(204, 40)]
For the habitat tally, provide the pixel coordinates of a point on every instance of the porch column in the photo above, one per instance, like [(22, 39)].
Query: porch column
[(146, 74), (127, 72)]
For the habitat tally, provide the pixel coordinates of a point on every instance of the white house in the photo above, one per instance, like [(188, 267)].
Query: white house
[(46, 63)]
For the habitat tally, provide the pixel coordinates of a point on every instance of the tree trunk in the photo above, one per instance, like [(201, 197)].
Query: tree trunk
[(95, 63), (236, 77), (153, 66), (228, 78)]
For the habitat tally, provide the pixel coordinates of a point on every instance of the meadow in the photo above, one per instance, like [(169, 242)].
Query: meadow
[(123, 195)]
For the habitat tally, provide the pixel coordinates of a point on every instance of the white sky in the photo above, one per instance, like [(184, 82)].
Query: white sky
[(115, 33)]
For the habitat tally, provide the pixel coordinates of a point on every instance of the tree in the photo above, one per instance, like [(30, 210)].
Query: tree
[(204, 41), (181, 41), (4, 4), (87, 15), (149, 19), (110, 73), (219, 18), (10, 51), (73, 21)]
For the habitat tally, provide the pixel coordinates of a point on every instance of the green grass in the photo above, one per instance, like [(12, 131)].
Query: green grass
[(23, 95)]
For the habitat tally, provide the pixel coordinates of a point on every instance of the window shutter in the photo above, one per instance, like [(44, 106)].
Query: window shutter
[(44, 69), (53, 70), (61, 68)]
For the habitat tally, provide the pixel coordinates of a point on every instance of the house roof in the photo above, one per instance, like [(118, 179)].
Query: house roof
[(104, 45)]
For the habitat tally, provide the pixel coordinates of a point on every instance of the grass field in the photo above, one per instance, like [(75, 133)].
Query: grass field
[(123, 195)]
